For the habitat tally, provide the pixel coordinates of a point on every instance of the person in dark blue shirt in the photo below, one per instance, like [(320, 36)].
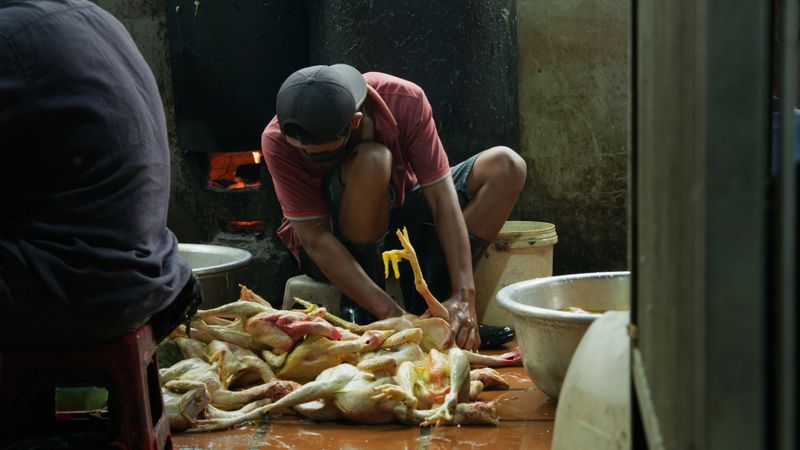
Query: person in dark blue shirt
[(85, 253)]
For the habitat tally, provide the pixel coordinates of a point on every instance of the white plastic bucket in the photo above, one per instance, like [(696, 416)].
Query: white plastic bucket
[(522, 250)]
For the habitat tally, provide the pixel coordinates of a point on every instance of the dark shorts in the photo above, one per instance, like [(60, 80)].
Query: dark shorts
[(414, 209), (412, 213)]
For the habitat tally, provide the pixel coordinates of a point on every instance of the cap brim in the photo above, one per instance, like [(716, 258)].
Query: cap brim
[(353, 81)]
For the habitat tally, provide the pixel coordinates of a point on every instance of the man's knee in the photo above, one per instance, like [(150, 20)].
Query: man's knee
[(511, 164), (368, 158), (363, 212), (505, 165)]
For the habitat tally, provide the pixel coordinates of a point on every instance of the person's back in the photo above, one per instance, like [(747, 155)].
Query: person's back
[(84, 246)]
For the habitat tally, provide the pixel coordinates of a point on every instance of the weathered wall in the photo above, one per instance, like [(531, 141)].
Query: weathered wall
[(573, 112), (228, 61)]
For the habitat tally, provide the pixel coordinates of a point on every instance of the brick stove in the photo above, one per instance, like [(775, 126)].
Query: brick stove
[(226, 198)]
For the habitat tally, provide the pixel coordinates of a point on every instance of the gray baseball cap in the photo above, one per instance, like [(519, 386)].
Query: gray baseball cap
[(320, 100)]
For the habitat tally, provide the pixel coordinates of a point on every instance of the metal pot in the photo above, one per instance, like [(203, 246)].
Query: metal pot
[(547, 334), (218, 268)]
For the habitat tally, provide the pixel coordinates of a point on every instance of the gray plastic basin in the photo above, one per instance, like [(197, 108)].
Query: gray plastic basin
[(218, 268), (547, 335)]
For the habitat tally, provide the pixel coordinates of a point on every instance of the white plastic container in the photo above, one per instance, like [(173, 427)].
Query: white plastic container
[(548, 325), (594, 405), (523, 250), (311, 290), (325, 294), (218, 268)]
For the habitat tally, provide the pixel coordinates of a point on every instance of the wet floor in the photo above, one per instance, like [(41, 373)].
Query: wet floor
[(526, 423)]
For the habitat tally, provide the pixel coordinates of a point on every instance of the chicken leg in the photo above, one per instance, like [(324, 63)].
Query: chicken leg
[(408, 253)]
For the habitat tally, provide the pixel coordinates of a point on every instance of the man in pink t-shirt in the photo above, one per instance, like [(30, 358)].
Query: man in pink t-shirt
[(354, 157)]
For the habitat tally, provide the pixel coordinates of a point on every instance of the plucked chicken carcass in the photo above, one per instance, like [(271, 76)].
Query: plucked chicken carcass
[(266, 327), (401, 347), (395, 369), (344, 391), (317, 353), (238, 366), (425, 383), (183, 408), (194, 372)]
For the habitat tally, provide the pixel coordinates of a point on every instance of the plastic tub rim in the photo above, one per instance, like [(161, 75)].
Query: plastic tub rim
[(523, 310), (545, 235), (241, 257)]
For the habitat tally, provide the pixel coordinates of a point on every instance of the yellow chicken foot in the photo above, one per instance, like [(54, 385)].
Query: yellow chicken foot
[(335, 320), (408, 253)]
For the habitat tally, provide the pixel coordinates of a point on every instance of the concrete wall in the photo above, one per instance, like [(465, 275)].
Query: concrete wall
[(573, 72)]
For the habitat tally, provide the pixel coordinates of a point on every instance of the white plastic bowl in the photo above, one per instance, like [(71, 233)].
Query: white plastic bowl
[(218, 268), (548, 335)]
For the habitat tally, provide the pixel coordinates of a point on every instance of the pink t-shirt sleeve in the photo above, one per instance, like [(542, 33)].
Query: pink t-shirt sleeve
[(419, 137)]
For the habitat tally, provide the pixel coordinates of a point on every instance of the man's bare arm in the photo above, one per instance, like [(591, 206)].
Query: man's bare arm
[(454, 240), (342, 269)]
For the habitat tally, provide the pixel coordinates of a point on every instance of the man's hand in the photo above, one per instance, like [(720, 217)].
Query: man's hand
[(463, 325), (454, 242)]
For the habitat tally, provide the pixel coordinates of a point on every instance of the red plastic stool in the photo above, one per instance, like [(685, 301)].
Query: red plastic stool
[(126, 367)]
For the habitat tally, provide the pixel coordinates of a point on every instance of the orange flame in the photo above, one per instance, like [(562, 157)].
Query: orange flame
[(244, 226), (223, 168)]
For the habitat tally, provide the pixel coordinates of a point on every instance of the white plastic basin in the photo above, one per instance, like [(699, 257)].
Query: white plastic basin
[(547, 334)]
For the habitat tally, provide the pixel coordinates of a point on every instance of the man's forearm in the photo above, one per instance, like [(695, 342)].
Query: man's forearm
[(453, 239), (452, 233), (346, 274)]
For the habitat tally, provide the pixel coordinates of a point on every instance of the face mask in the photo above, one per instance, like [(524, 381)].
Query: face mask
[(329, 155)]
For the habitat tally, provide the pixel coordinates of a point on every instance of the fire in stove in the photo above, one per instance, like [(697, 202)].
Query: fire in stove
[(234, 188), (234, 170), (242, 226)]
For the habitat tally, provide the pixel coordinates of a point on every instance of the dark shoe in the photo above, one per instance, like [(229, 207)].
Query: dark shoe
[(494, 337)]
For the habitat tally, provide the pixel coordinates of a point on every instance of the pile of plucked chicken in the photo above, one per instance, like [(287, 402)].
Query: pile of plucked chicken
[(246, 360)]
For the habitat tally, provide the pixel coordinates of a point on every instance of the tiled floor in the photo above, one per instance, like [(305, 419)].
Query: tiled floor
[(526, 423)]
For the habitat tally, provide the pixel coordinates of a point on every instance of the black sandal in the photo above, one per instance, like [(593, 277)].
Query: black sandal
[(494, 337)]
